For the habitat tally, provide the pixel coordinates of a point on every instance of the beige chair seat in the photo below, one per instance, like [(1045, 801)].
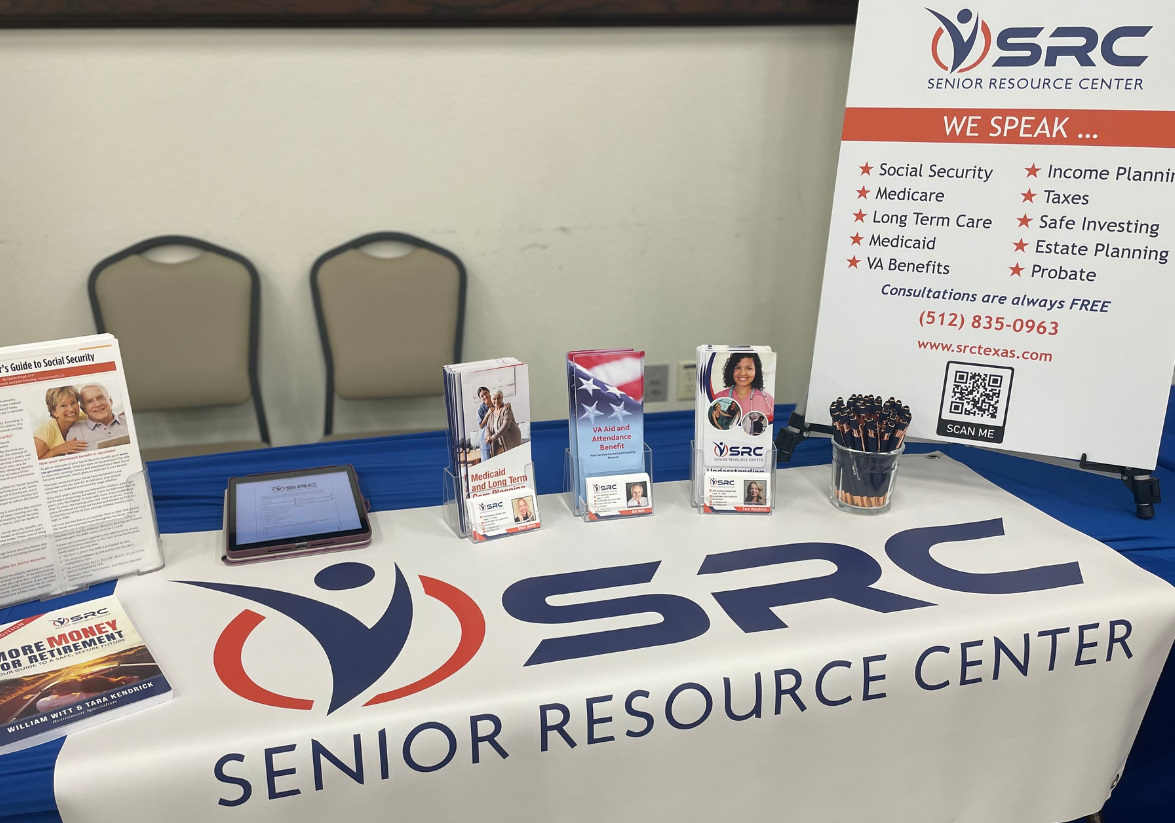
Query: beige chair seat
[(172, 452)]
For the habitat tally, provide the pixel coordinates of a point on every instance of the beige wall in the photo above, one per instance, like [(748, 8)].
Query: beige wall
[(679, 179)]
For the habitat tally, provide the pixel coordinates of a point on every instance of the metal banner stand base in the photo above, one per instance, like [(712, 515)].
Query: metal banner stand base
[(1142, 484)]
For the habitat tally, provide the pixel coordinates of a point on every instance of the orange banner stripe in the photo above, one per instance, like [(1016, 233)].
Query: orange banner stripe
[(1045, 127), (55, 374)]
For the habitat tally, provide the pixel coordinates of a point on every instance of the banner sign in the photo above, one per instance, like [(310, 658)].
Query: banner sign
[(919, 667), (998, 255)]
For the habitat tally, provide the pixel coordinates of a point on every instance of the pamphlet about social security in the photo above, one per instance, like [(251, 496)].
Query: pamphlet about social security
[(70, 669), (74, 507)]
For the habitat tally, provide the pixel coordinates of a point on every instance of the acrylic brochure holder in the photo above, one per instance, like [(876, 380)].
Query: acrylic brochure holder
[(732, 491), (518, 517), (120, 540), (582, 488)]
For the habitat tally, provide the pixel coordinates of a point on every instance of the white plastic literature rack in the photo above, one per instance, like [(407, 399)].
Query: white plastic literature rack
[(596, 497), (746, 491), (497, 514), (123, 539)]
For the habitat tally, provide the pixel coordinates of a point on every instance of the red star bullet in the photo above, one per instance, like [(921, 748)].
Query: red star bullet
[(856, 238), (1032, 170), (865, 169), (863, 193), (853, 261), (1027, 195), (1021, 246), (1025, 220), (1016, 269), (859, 217)]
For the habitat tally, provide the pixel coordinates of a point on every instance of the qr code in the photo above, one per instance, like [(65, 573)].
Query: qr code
[(975, 399), (976, 394)]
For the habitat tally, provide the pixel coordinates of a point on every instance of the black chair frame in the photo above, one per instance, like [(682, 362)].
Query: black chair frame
[(358, 242), (254, 304)]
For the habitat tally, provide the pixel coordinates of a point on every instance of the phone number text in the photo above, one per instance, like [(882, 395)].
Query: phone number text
[(956, 320)]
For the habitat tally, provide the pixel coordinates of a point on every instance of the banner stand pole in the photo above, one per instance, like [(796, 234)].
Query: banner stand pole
[(1142, 484), (797, 431)]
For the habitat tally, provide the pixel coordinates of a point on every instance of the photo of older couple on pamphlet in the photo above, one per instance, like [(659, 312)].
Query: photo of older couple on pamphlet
[(79, 418), (494, 414), (496, 423)]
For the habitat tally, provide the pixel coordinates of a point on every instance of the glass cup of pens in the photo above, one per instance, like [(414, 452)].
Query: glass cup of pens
[(867, 446), (863, 482)]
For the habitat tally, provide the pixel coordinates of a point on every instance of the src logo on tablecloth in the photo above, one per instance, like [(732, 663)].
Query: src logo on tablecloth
[(359, 655)]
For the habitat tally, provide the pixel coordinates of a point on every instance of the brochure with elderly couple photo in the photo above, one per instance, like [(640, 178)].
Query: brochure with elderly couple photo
[(74, 505), (488, 404)]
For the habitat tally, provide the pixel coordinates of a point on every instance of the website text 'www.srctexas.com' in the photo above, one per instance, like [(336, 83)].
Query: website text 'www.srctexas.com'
[(986, 351)]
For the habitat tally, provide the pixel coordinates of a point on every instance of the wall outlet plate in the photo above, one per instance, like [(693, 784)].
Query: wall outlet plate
[(687, 371), (657, 383)]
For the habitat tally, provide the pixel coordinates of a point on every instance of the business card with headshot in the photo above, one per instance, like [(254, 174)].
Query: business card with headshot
[(497, 515), (747, 492), (619, 495)]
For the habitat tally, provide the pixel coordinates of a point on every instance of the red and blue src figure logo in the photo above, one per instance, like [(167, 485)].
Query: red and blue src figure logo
[(962, 45), (359, 655)]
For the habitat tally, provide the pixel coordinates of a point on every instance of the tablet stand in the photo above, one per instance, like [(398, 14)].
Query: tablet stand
[(576, 472), (70, 560)]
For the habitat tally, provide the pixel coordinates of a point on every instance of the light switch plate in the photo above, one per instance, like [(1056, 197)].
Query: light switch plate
[(657, 383), (687, 371)]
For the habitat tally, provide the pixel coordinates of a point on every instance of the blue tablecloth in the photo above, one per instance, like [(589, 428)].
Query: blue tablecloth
[(189, 497)]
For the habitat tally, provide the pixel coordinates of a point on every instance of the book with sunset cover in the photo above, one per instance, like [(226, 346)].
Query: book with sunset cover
[(72, 668)]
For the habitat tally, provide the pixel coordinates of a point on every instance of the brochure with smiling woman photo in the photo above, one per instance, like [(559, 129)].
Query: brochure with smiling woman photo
[(735, 406), (733, 413)]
